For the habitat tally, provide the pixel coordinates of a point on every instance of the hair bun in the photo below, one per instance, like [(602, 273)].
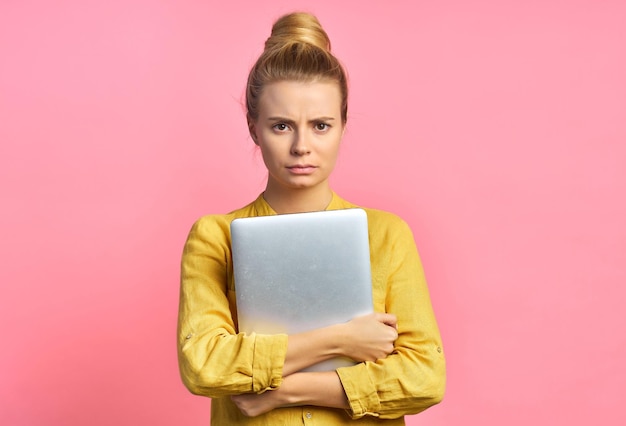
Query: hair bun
[(298, 27), (298, 50)]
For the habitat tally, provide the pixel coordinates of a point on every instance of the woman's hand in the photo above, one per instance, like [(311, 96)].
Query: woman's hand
[(370, 337), (252, 404)]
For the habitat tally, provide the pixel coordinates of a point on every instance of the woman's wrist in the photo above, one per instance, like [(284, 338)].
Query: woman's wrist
[(313, 388), (340, 339), (311, 347)]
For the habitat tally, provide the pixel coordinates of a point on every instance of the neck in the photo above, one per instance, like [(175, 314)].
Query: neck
[(298, 200)]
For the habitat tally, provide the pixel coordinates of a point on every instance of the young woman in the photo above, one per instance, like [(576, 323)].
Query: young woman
[(297, 111)]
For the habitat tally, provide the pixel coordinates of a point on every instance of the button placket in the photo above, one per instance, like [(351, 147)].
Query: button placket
[(307, 416)]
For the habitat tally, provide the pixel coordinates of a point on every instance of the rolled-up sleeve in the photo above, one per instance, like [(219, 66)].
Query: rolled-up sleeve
[(214, 359), (413, 377)]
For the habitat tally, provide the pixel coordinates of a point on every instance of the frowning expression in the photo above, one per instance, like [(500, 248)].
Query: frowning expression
[(299, 130)]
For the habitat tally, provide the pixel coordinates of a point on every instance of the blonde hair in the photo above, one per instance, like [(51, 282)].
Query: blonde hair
[(297, 50)]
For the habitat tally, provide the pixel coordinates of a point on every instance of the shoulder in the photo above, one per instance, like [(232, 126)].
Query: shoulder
[(383, 218), (387, 228), (218, 225), (380, 222)]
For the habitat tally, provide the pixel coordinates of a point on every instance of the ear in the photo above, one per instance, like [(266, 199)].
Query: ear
[(252, 130)]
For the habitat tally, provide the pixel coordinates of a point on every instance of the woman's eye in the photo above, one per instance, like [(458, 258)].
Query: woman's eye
[(281, 127), (322, 127)]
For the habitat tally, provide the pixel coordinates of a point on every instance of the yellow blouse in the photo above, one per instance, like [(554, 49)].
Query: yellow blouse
[(216, 361)]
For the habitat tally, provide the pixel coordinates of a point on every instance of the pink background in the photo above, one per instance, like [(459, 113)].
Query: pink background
[(496, 129)]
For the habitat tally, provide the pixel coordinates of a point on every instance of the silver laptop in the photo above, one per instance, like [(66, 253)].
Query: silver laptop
[(301, 271)]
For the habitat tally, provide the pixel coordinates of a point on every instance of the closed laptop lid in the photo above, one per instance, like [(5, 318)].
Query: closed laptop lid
[(296, 272)]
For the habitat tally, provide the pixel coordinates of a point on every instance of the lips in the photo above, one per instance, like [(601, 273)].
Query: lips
[(301, 169)]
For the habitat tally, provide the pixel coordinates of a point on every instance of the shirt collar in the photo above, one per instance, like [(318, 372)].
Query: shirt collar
[(262, 208)]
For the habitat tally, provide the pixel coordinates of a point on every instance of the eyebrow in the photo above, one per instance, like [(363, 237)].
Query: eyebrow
[(288, 120)]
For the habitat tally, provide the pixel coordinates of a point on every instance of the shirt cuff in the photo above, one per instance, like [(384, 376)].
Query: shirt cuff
[(360, 390), (267, 365)]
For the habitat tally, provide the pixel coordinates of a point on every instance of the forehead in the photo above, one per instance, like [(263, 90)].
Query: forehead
[(294, 98)]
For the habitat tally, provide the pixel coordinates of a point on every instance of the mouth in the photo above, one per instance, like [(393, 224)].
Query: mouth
[(302, 169)]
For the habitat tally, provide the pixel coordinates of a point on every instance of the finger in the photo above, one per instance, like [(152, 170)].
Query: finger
[(388, 319)]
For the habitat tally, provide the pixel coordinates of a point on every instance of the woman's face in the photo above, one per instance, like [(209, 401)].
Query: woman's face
[(298, 130)]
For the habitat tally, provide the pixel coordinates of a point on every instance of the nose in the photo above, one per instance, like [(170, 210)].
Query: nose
[(300, 144)]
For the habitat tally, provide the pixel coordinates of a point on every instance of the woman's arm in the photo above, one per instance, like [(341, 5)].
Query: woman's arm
[(314, 388), (214, 359), (365, 338), (413, 377), (368, 337)]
